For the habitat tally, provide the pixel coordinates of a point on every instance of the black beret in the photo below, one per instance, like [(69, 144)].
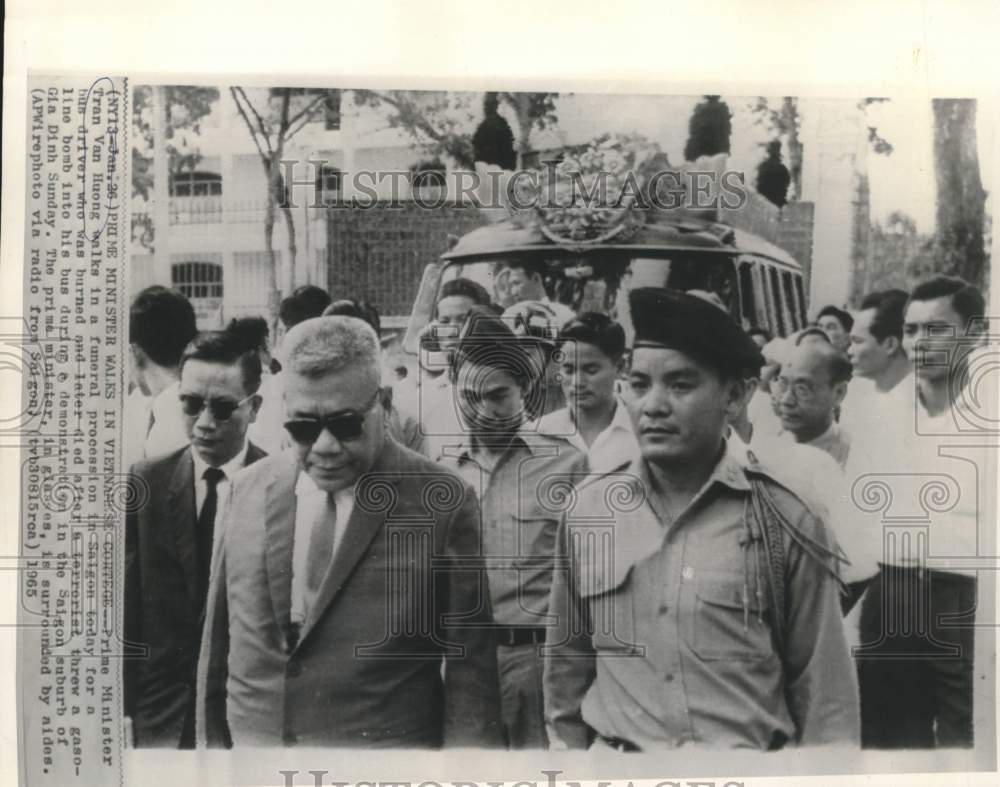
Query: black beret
[(694, 326), (488, 340)]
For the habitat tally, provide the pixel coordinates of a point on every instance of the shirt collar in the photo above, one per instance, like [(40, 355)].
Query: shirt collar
[(525, 437), (560, 422), (728, 471), (230, 468), (306, 488)]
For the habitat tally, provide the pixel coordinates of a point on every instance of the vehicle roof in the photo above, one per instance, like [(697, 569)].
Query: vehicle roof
[(660, 234)]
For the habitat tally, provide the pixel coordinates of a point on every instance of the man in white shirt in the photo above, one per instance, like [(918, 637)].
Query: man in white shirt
[(917, 619), (161, 323), (810, 387), (169, 538), (595, 420), (526, 283)]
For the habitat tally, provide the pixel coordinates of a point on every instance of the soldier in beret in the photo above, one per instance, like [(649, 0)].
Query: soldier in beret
[(695, 597)]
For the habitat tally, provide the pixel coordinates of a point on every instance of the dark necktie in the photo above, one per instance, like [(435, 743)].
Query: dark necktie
[(206, 530)]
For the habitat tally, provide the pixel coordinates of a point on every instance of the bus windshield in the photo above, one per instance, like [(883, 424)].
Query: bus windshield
[(601, 282)]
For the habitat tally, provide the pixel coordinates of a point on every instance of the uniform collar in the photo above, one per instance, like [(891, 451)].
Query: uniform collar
[(728, 471)]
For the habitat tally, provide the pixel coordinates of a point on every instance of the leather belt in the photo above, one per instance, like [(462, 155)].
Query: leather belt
[(619, 744), (512, 636)]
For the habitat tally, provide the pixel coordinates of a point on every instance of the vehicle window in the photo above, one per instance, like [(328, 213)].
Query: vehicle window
[(800, 290), (600, 282), (791, 302), (775, 289), (748, 304)]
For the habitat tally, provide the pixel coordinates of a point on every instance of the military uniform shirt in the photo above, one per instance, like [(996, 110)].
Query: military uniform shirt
[(521, 495), (664, 630)]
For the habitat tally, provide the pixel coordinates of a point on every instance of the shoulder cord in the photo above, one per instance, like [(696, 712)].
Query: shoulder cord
[(772, 524)]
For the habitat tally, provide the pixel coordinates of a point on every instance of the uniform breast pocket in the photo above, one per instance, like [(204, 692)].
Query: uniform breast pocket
[(725, 626), (534, 540), (611, 612)]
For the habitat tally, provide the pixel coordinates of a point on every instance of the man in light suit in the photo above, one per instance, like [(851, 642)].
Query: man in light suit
[(348, 573), (169, 539)]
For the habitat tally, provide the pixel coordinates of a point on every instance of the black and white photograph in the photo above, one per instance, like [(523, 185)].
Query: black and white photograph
[(591, 433)]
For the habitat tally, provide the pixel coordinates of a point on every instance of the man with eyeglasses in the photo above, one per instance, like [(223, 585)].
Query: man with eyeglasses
[(169, 539), (519, 475), (810, 387), (348, 576)]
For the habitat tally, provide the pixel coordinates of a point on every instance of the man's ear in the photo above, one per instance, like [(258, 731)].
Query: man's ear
[(839, 392), (892, 345), (738, 394), (255, 402)]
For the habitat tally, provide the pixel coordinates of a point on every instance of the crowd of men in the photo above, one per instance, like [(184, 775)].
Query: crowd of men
[(541, 538)]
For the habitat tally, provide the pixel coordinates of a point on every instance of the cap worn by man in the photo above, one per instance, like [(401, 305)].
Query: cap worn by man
[(738, 568)]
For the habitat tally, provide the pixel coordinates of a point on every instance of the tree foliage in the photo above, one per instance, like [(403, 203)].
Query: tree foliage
[(785, 123), (773, 176), (272, 120), (440, 122), (709, 129), (186, 107)]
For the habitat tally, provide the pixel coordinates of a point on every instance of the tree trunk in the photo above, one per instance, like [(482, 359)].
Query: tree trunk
[(286, 211), (791, 112), (960, 195), (274, 296), (522, 104)]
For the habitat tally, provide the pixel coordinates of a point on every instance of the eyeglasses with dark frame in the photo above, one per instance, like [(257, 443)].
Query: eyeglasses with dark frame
[(221, 409), (345, 425)]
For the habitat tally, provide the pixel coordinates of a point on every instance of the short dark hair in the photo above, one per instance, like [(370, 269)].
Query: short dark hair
[(467, 288), (253, 331), (760, 332), (889, 306), (844, 318), (840, 367), (596, 329), (530, 267), (351, 307), (228, 348), (161, 322), (304, 303), (966, 300), (488, 341)]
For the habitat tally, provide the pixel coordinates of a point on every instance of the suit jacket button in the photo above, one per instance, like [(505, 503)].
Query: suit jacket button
[(294, 669)]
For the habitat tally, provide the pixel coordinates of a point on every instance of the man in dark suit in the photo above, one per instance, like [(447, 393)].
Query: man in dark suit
[(169, 539), (349, 572)]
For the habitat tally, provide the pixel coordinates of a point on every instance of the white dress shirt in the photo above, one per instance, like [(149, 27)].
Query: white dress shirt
[(230, 469), (310, 500), (168, 432), (268, 429), (612, 448)]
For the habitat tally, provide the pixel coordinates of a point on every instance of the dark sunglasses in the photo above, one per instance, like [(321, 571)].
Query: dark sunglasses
[(345, 425), (221, 409)]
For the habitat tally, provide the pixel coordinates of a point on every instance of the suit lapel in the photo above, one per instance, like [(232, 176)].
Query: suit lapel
[(183, 510), (365, 522), (280, 536)]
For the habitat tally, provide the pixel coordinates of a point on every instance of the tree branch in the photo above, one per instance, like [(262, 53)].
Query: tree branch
[(253, 134), (307, 111)]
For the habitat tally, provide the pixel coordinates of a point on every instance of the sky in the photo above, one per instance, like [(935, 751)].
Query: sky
[(904, 180)]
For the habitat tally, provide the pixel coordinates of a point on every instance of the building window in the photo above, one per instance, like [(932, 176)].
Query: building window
[(428, 174), (197, 279), (328, 184), (195, 183), (327, 112)]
